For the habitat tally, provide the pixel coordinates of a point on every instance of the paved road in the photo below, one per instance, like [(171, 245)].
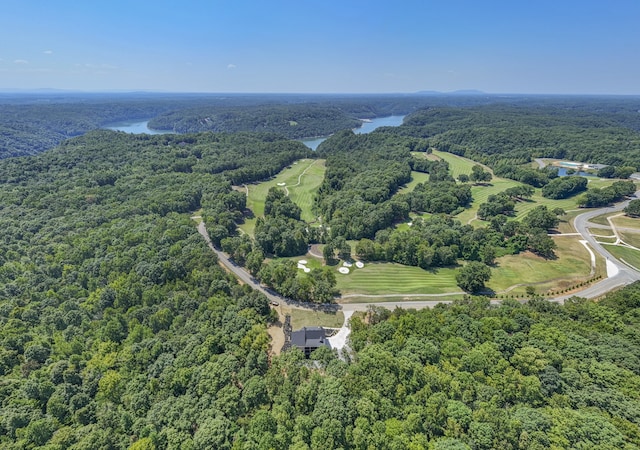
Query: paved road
[(622, 274), (238, 271), (625, 275), (541, 163)]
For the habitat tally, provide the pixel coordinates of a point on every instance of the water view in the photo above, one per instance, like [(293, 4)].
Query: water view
[(142, 127), (562, 172), (135, 127), (367, 127)]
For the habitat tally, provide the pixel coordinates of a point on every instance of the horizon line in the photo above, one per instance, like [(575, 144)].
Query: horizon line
[(425, 93)]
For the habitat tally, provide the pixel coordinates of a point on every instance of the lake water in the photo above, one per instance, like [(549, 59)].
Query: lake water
[(562, 172), (142, 127), (135, 127), (367, 127)]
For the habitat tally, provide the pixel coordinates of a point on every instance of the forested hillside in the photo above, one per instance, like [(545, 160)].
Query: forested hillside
[(359, 200), (35, 122), (119, 330), (113, 312), (293, 121), (508, 137)]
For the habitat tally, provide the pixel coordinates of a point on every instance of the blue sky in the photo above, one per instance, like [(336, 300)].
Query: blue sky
[(346, 46)]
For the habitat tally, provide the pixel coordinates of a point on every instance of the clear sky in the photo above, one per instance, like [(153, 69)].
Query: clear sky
[(331, 46)]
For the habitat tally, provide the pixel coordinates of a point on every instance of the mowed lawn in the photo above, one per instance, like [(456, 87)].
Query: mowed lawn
[(572, 265), (392, 278), (626, 222), (302, 180), (630, 238), (309, 318), (416, 178), (459, 165), (625, 254)]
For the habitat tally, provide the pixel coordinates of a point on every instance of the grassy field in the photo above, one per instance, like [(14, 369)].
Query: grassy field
[(602, 220), (459, 165), (625, 254), (573, 264), (626, 222), (631, 238), (391, 278), (301, 180), (566, 222), (416, 178), (607, 240), (600, 231), (306, 318)]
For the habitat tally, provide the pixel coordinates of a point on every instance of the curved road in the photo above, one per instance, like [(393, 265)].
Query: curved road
[(621, 274), (625, 275)]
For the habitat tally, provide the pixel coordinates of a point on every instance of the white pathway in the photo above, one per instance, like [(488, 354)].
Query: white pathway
[(339, 341)]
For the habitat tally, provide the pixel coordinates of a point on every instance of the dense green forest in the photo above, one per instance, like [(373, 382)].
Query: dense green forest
[(35, 122), (100, 260), (508, 137), (359, 200), (293, 121), (118, 329)]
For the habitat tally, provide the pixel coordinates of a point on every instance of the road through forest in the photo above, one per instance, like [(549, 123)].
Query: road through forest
[(620, 273)]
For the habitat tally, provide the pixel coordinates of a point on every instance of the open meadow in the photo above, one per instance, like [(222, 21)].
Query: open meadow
[(300, 180), (416, 178), (392, 278), (573, 264)]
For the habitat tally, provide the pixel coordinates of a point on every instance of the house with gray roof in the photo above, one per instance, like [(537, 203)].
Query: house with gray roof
[(308, 339)]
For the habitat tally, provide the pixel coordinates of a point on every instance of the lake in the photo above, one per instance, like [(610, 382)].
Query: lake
[(367, 127), (142, 127), (562, 172), (135, 127)]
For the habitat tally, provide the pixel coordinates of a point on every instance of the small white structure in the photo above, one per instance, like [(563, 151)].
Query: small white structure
[(343, 270)]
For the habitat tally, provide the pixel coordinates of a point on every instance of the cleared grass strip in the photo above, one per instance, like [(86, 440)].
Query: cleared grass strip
[(626, 222), (626, 254), (416, 178), (306, 318), (573, 263), (600, 231), (391, 278), (301, 179), (630, 238)]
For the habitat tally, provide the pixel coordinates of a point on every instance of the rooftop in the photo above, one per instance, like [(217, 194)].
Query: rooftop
[(309, 337)]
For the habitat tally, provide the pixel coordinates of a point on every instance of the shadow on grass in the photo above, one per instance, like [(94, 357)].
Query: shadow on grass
[(487, 292)]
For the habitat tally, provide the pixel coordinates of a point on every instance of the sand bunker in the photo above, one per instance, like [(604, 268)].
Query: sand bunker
[(281, 184), (343, 270), (359, 264), (302, 261), (347, 264)]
